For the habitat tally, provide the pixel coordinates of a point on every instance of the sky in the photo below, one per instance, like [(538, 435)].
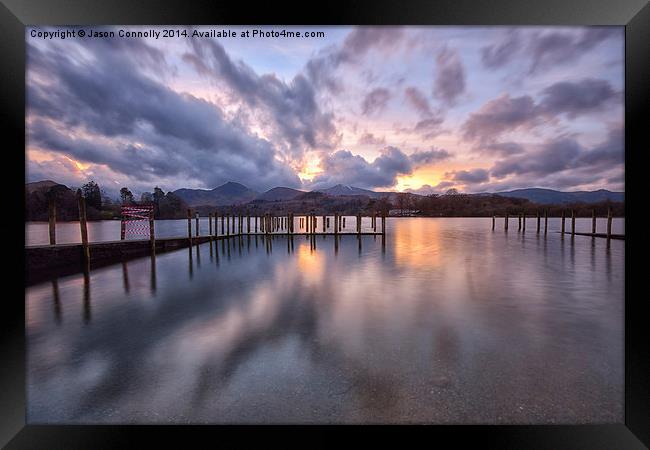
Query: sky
[(417, 109)]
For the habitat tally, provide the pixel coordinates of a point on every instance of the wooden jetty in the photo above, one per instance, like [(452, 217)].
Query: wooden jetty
[(522, 224), (44, 261)]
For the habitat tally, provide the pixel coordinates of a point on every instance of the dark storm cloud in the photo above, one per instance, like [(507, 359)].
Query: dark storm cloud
[(574, 98), (502, 52), (472, 176), (418, 101), (355, 46), (557, 47), (428, 128), (375, 101), (449, 81), (506, 113), (291, 107), (181, 136)]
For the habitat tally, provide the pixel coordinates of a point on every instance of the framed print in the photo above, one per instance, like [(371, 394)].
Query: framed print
[(413, 219)]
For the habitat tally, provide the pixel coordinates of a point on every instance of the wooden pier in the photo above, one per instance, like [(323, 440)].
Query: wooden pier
[(522, 224), (44, 261)]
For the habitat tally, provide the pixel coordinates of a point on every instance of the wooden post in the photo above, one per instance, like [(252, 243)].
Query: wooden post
[(538, 221), (359, 224), (343, 221), (324, 224), (152, 234), (210, 224), (383, 224), (593, 221), (374, 222), (519, 221), (189, 225), (562, 223), (52, 221), (83, 226), (573, 222), (196, 218), (227, 224), (493, 221), (216, 225), (255, 224), (523, 218), (505, 223), (122, 229), (223, 219), (336, 223), (609, 223), (545, 221)]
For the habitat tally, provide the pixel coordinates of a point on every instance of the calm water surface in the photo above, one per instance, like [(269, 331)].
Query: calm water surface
[(447, 322)]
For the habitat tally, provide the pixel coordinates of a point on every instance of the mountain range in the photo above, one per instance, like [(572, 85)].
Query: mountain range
[(235, 193)]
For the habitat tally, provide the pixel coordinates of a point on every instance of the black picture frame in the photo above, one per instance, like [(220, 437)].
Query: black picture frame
[(16, 14)]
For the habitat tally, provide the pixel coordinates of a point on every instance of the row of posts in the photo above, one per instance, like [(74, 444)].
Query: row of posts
[(522, 222), (268, 223), (265, 224)]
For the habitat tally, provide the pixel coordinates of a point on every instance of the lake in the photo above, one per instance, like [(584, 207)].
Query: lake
[(445, 321)]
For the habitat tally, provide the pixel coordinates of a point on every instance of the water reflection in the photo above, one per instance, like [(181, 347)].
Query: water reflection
[(475, 327)]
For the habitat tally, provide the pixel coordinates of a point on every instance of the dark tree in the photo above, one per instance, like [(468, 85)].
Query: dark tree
[(126, 196), (92, 194)]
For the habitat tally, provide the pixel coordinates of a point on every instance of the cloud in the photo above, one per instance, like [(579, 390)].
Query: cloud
[(500, 53), (342, 167), (429, 156), (371, 139), (473, 176), (502, 148), (95, 110), (565, 154), (375, 101), (359, 42), (428, 128), (449, 81), (549, 48), (575, 98), (505, 113), (292, 107), (418, 101), (497, 116)]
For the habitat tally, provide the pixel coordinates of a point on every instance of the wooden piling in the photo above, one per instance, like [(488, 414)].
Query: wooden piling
[(336, 223), (383, 224), (519, 221), (122, 229), (523, 219), (52, 220), (563, 223), (227, 224), (573, 222), (84, 227), (374, 222), (152, 234), (359, 224), (609, 223), (505, 223), (538, 221), (210, 224), (324, 224), (343, 221), (248, 222), (493, 221), (189, 225), (593, 221), (545, 221), (223, 219)]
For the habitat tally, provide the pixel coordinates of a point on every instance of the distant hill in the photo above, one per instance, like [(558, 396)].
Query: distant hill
[(279, 193), (341, 189), (550, 196), (40, 185), (227, 194)]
